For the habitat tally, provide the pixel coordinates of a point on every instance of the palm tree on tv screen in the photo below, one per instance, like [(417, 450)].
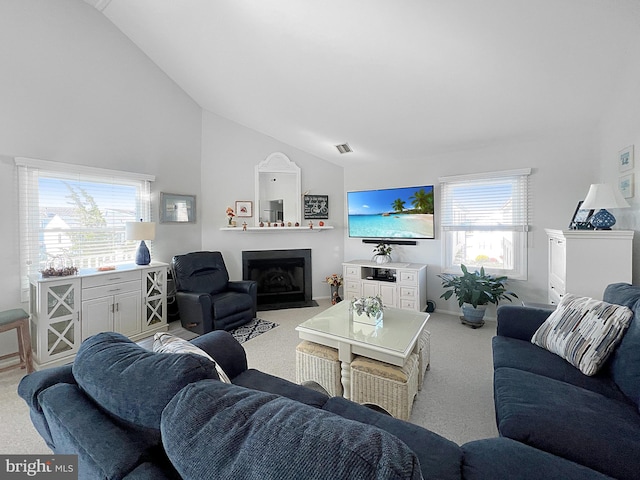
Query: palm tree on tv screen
[(422, 201), (398, 205)]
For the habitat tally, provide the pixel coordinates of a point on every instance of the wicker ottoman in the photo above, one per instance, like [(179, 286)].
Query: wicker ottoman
[(388, 386), (424, 356), (320, 364)]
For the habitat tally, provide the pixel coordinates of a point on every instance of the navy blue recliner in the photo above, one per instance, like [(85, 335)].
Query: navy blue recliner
[(207, 300)]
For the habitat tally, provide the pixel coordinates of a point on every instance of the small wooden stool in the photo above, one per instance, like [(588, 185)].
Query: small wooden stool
[(319, 363), (18, 319), (388, 386)]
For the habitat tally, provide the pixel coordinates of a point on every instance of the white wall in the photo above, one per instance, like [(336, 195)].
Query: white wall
[(230, 153), (563, 166), (619, 128), (74, 89)]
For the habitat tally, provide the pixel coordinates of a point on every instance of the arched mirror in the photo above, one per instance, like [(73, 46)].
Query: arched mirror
[(277, 190)]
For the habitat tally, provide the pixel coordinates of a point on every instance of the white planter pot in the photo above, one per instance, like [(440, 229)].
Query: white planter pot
[(473, 315), (369, 320), (382, 259)]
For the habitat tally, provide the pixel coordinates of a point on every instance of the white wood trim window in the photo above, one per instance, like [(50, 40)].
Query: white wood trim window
[(73, 215), (484, 222)]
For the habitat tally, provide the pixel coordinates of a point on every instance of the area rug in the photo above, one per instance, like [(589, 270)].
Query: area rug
[(250, 330)]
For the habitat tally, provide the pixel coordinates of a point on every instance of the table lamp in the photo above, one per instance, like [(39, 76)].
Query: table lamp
[(141, 231), (602, 196)]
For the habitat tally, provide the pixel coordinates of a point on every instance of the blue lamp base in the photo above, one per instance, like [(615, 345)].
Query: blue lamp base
[(143, 257), (602, 220)]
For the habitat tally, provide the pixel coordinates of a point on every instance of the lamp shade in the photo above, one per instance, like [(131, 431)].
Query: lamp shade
[(602, 195), (140, 230)]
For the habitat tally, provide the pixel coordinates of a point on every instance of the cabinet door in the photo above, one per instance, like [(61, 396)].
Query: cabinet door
[(154, 313), (58, 322), (370, 289), (128, 313), (388, 294), (97, 316)]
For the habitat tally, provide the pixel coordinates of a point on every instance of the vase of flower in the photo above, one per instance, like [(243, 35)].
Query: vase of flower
[(335, 294), (334, 282)]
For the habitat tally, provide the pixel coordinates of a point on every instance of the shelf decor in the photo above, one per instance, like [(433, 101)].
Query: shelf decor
[(244, 208)]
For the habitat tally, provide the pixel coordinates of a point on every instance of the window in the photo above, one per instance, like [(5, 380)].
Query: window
[(72, 215), (484, 221)]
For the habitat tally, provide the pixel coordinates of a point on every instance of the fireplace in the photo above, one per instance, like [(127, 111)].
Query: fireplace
[(283, 277)]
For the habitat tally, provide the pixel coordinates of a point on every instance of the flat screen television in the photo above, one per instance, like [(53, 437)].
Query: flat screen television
[(405, 212)]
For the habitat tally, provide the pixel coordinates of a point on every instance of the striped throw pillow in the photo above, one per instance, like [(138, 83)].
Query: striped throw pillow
[(583, 331)]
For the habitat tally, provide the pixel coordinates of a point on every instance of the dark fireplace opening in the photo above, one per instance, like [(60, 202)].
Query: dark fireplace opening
[(283, 277)]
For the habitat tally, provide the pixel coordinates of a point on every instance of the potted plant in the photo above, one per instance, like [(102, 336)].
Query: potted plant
[(366, 310), (474, 291), (382, 253)]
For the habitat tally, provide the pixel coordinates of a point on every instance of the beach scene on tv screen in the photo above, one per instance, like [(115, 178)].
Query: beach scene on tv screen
[(391, 213)]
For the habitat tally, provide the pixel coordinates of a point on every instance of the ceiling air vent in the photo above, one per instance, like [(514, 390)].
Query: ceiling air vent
[(344, 148)]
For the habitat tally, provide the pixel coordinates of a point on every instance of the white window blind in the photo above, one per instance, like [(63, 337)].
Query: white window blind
[(484, 222), (72, 215)]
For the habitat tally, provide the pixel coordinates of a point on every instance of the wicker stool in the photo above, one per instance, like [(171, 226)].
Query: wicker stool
[(320, 364), (424, 356), (388, 386), (18, 319)]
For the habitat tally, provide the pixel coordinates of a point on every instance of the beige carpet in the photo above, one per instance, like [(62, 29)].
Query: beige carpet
[(456, 400)]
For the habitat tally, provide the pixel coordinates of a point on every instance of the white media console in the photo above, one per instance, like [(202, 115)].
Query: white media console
[(401, 285)]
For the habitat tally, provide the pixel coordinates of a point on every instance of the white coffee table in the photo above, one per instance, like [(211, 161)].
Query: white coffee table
[(392, 341)]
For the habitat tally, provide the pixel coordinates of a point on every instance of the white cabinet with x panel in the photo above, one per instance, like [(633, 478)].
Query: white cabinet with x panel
[(131, 300)]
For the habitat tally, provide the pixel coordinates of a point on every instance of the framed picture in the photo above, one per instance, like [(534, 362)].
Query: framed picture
[(176, 208), (244, 208), (625, 159), (580, 219), (625, 184), (316, 206)]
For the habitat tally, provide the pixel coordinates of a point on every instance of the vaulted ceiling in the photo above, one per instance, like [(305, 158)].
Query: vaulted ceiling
[(396, 79)]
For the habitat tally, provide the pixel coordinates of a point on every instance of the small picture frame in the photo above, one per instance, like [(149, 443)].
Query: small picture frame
[(244, 208), (177, 208), (625, 159), (625, 184), (316, 207), (581, 217)]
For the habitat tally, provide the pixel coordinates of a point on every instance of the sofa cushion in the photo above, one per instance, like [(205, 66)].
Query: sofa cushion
[(496, 458), (164, 342), (215, 430), (74, 422), (625, 361), (583, 331), (264, 382), (523, 355), (132, 383), (439, 458), (568, 421)]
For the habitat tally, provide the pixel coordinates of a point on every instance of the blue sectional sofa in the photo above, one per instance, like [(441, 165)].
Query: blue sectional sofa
[(134, 414), (545, 402)]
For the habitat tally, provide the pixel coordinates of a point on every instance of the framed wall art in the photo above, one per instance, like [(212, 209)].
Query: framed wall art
[(176, 208), (581, 217), (316, 206), (625, 184), (625, 159), (244, 208)]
